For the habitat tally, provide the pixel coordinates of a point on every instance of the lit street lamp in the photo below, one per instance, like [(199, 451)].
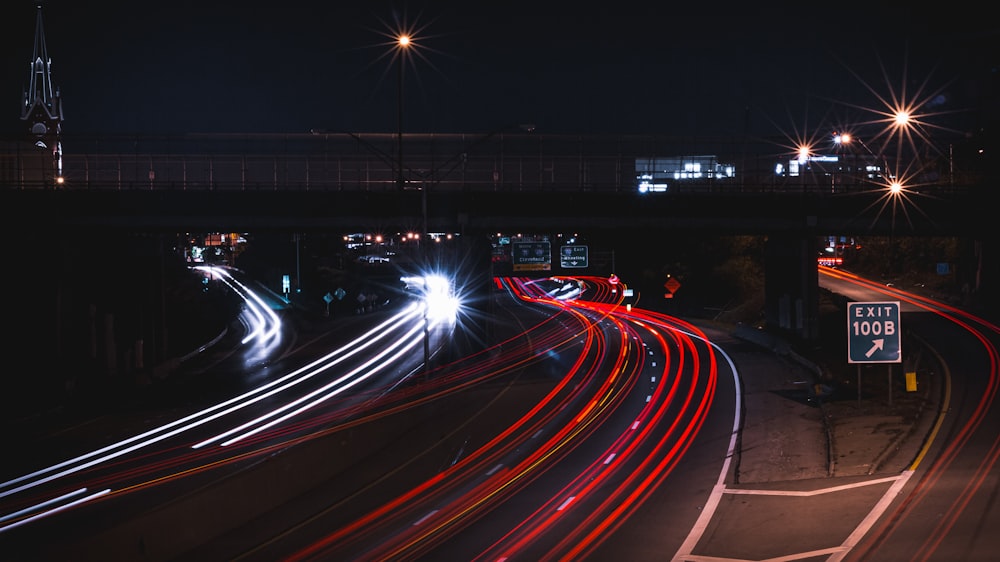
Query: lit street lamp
[(879, 166)]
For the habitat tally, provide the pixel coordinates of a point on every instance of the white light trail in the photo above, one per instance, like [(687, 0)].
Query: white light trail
[(265, 317), (264, 326), (348, 380), (62, 507), (176, 427)]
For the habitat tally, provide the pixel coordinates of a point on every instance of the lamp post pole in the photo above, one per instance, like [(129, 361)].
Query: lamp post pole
[(427, 335), (402, 43), (399, 125)]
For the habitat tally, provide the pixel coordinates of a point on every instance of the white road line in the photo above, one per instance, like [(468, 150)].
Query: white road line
[(873, 516), (683, 553), (806, 493)]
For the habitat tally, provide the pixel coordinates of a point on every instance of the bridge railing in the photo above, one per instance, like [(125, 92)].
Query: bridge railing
[(442, 162)]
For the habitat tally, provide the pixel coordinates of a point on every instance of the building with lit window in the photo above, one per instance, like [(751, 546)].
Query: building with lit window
[(664, 173)]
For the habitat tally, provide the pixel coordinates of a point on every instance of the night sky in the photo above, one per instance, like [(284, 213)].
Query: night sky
[(691, 68)]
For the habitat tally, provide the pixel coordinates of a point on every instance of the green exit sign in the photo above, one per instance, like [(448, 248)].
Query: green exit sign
[(873, 334), (573, 256)]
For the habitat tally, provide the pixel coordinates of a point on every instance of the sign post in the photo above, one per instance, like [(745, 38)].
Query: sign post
[(873, 336)]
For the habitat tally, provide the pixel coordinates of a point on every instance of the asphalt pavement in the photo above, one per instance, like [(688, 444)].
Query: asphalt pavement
[(807, 426), (822, 447), (803, 422)]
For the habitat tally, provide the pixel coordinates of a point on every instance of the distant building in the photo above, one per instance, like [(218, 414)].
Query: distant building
[(852, 162), (42, 112), (866, 167), (661, 173)]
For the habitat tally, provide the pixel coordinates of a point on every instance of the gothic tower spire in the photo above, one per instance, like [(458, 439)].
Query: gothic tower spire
[(41, 108)]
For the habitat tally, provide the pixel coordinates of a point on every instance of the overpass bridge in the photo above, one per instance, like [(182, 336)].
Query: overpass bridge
[(495, 180), (500, 181)]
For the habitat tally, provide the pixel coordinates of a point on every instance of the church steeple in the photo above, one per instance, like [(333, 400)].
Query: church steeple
[(41, 109)]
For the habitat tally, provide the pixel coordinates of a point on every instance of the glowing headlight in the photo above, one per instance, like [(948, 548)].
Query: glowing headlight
[(442, 306)]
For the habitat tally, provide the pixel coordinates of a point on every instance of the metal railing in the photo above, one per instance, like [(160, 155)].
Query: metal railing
[(443, 162)]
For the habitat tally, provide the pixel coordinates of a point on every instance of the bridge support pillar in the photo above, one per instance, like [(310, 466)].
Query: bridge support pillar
[(791, 285)]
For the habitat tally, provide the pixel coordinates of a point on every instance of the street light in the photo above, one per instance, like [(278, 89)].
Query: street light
[(880, 165)]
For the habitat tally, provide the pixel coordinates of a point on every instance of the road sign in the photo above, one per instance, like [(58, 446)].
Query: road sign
[(573, 256), (672, 284), (531, 256), (873, 332)]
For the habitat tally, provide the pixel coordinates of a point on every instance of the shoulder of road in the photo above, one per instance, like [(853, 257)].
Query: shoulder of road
[(810, 414)]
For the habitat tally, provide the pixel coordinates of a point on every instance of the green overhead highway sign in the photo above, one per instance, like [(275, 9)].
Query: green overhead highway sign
[(531, 256), (573, 256), (873, 332)]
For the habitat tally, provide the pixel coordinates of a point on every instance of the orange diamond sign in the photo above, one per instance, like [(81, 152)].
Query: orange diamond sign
[(672, 285)]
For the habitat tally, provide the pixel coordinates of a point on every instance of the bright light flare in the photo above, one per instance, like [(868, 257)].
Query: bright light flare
[(442, 306), (804, 152), (905, 116), (801, 146), (438, 295), (898, 197), (403, 43)]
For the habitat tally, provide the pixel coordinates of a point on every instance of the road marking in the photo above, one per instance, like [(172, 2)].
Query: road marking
[(873, 516), (684, 552), (424, 518), (805, 493)]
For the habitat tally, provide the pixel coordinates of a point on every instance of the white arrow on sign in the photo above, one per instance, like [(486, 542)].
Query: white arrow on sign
[(876, 347)]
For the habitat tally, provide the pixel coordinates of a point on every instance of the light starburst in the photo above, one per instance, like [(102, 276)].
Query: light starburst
[(893, 136), (405, 41), (901, 121), (898, 193)]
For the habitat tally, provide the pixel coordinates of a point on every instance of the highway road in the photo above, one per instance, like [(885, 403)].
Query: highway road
[(947, 509), (70, 488), (591, 429), (578, 396), (601, 406)]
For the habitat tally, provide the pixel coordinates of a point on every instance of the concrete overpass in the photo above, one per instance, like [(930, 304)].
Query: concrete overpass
[(481, 184)]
